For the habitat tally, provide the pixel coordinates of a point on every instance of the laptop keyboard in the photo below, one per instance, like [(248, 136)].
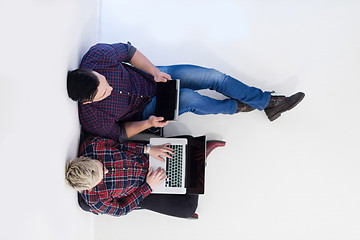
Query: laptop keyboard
[(174, 167)]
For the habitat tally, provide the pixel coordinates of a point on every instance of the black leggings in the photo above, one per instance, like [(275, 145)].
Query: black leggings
[(175, 205)]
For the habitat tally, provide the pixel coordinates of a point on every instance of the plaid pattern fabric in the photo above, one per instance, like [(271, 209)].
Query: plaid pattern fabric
[(124, 186), (133, 89)]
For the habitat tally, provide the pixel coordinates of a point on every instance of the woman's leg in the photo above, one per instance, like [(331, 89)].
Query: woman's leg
[(196, 78), (182, 206)]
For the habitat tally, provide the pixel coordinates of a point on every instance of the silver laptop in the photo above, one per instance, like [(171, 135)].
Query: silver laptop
[(175, 168), (167, 100)]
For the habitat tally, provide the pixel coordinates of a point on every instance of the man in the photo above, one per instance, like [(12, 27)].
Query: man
[(114, 178), (116, 87)]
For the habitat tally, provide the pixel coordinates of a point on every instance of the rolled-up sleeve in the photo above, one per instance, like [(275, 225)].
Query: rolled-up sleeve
[(131, 147), (124, 51), (131, 50), (103, 55)]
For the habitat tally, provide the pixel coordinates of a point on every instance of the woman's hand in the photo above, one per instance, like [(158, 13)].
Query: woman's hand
[(155, 178), (161, 151)]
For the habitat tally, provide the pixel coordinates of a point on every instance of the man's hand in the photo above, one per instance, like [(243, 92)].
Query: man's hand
[(141, 62), (155, 178), (161, 151), (161, 77), (157, 121), (135, 127)]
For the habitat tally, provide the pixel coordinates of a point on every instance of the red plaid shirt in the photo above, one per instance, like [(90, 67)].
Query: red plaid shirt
[(124, 186), (133, 89)]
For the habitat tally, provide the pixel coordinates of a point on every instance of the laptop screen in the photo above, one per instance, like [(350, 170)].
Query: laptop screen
[(167, 100), (195, 162)]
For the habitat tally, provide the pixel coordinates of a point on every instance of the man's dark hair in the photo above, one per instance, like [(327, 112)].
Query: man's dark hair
[(82, 84)]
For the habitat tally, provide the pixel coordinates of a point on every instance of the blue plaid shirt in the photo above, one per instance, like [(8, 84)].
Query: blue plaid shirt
[(133, 89)]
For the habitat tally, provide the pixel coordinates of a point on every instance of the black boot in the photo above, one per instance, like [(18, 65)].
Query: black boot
[(280, 104), (242, 107)]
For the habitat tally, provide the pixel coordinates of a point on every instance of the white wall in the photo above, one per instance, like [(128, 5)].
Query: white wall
[(40, 41), (295, 178)]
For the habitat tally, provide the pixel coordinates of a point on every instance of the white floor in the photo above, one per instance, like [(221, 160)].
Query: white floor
[(295, 178)]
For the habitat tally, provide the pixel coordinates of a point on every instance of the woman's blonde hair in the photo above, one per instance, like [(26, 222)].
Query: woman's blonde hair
[(82, 173)]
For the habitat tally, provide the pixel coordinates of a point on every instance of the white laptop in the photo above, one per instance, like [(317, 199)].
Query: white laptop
[(175, 168)]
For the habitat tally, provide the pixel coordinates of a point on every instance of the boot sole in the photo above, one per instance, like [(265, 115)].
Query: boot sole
[(276, 116)]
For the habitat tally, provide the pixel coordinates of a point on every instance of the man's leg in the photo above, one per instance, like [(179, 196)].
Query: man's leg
[(182, 206), (191, 101), (196, 78)]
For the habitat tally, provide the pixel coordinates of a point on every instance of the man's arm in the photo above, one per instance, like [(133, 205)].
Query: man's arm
[(141, 62), (133, 128)]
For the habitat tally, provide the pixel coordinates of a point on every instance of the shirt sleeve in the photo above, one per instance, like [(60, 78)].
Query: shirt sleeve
[(106, 55), (122, 134), (131, 147), (98, 144), (131, 50), (120, 206)]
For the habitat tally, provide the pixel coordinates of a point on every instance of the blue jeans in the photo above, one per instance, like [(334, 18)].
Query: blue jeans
[(194, 78)]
